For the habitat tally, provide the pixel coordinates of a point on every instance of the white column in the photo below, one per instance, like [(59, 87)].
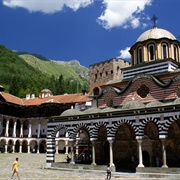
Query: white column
[(20, 148), (38, 148), (30, 127), (93, 153), (7, 128), (72, 152), (140, 153), (13, 148), (21, 131), (164, 154), (77, 147), (67, 147), (5, 148), (57, 147), (14, 129), (39, 130), (28, 148), (111, 151)]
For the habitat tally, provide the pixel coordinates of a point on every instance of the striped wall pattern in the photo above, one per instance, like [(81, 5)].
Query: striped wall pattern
[(145, 121), (73, 133), (168, 123), (113, 130), (56, 129), (96, 128), (111, 124)]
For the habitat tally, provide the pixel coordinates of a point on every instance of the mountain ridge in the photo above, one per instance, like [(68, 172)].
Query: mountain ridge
[(23, 73)]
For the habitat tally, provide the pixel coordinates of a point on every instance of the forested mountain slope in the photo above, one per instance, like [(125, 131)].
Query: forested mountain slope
[(22, 74)]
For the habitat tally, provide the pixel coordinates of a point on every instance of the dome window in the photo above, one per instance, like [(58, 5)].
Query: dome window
[(151, 52), (164, 51), (176, 53), (140, 58), (143, 91)]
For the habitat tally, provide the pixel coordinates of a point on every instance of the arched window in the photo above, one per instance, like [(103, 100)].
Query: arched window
[(176, 53), (164, 51), (140, 58), (96, 91), (151, 52)]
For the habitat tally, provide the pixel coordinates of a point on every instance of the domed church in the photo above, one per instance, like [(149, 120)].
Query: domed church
[(134, 123), (134, 120)]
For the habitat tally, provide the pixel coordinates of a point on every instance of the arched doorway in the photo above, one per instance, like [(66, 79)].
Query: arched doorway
[(25, 146), (25, 128), (2, 145), (10, 146), (18, 128), (146, 158), (125, 148), (11, 125), (152, 145), (83, 146), (102, 147), (4, 127), (42, 146), (17, 145), (33, 146), (173, 145)]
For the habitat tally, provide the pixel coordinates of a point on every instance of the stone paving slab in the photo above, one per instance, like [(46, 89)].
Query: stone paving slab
[(31, 168)]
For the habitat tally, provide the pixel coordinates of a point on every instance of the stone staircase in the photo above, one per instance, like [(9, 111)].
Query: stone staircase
[(144, 173)]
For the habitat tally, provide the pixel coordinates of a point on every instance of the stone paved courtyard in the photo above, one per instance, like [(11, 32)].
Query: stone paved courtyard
[(30, 167)]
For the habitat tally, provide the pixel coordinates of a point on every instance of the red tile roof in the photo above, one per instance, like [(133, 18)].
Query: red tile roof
[(67, 98), (11, 99)]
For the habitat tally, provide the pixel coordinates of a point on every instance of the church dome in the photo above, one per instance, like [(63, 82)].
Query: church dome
[(71, 112), (133, 104), (92, 110), (155, 33)]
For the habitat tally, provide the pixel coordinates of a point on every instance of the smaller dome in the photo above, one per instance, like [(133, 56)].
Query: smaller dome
[(71, 112), (154, 104), (45, 93), (155, 33), (108, 109), (46, 90), (133, 104), (176, 101), (92, 110)]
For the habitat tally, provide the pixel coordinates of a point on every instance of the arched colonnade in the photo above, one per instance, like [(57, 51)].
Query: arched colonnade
[(124, 142)]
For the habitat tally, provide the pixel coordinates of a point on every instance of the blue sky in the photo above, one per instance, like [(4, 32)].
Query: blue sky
[(90, 31)]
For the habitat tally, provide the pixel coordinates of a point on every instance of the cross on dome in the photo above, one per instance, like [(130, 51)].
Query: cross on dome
[(154, 19)]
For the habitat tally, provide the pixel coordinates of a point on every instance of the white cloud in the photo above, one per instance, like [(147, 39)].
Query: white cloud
[(124, 53), (47, 6), (122, 13)]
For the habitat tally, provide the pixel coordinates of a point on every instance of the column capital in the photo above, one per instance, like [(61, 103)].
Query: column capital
[(111, 139), (93, 139), (162, 137)]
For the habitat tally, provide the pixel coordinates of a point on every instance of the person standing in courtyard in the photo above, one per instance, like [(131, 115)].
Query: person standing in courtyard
[(15, 168), (108, 171)]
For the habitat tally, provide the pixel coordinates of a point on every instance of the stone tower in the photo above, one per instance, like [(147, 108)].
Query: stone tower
[(104, 72)]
